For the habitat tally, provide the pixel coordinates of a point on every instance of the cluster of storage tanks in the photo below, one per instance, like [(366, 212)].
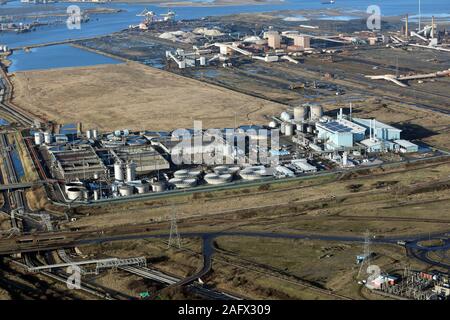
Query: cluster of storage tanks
[(298, 119)]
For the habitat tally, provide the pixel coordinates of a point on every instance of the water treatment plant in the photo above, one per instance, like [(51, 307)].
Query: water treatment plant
[(224, 151)]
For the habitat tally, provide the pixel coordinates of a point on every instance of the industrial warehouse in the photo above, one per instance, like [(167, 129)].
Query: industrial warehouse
[(93, 166)]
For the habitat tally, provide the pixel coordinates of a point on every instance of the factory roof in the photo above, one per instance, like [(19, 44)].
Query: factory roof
[(371, 142), (405, 143), (356, 128), (335, 127), (376, 123)]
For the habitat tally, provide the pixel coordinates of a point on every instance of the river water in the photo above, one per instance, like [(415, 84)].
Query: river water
[(101, 24)]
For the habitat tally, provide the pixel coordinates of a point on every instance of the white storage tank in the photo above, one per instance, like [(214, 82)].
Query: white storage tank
[(131, 171), (272, 124), (89, 134), (69, 185), (289, 129), (47, 137), (142, 188), (74, 193), (283, 128), (118, 172), (158, 186), (300, 113), (125, 190), (95, 134), (316, 112), (37, 138)]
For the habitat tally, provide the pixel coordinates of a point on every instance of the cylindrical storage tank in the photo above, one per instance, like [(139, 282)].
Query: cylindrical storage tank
[(89, 134), (74, 193), (202, 61), (125, 190), (181, 173), (142, 188), (131, 171), (47, 137), (316, 112), (309, 129), (118, 172), (69, 185), (37, 138), (272, 124), (285, 116), (283, 128), (158, 186), (94, 134), (96, 194), (289, 129), (300, 113)]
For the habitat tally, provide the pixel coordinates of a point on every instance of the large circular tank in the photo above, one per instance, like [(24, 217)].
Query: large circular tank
[(158, 186), (300, 113), (251, 173), (183, 183), (125, 190), (118, 171), (131, 171), (289, 129), (74, 193), (213, 178), (316, 112), (181, 173), (142, 188), (69, 185)]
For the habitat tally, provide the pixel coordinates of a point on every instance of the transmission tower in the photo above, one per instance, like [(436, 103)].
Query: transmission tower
[(174, 235), (366, 255)]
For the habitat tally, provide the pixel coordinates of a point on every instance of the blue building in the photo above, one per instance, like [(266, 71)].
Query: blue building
[(381, 130), (339, 133)]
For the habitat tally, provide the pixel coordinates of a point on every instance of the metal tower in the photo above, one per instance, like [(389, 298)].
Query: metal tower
[(366, 255), (174, 235)]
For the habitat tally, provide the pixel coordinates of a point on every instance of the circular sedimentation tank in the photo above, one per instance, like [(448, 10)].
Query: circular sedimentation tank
[(183, 183), (214, 178)]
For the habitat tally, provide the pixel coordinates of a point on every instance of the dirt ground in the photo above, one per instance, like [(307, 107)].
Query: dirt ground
[(133, 96)]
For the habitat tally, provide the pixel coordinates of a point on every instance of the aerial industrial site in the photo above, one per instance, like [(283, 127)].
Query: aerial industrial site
[(224, 150)]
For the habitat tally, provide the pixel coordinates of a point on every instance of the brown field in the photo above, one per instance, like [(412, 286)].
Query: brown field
[(133, 96)]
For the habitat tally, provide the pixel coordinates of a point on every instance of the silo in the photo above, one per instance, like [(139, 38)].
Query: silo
[(89, 134), (37, 138), (47, 137), (316, 112), (300, 113), (289, 129), (118, 172), (131, 171), (94, 134)]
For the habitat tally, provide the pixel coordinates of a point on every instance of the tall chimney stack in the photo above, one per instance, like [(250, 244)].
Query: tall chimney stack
[(432, 27), (406, 26)]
